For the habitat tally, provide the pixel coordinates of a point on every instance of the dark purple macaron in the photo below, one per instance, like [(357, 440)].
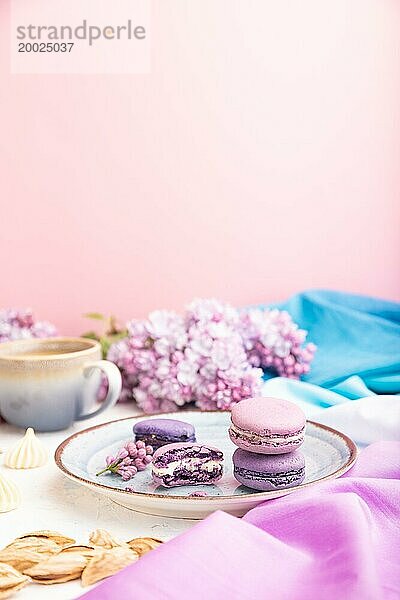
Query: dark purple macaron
[(187, 464), (159, 432), (268, 472)]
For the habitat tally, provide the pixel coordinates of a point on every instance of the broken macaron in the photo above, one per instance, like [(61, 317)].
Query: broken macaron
[(187, 464)]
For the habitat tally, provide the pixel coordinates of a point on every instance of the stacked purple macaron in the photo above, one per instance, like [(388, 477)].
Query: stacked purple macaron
[(268, 433)]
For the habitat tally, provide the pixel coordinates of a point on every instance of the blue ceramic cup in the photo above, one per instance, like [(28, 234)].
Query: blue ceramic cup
[(49, 383)]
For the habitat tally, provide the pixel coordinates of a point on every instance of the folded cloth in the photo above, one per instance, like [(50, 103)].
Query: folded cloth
[(340, 539), (358, 354), (355, 335), (367, 420), (312, 398)]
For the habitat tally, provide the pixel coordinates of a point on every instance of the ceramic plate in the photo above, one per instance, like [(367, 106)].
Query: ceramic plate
[(328, 454)]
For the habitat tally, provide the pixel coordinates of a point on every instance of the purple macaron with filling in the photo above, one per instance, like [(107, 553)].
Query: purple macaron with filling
[(269, 472), (267, 425), (187, 464), (159, 432)]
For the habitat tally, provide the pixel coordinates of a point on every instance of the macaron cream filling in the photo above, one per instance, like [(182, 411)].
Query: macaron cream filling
[(193, 464), (155, 438), (266, 437), (189, 465)]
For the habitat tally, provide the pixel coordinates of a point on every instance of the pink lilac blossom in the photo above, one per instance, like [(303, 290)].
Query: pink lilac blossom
[(212, 356), (131, 458), (20, 324), (150, 360), (224, 376), (273, 341)]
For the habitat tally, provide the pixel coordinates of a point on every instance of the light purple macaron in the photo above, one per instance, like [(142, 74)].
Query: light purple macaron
[(268, 472), (159, 432), (187, 464), (267, 425)]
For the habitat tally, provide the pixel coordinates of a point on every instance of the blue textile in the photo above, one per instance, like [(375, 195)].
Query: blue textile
[(358, 353)]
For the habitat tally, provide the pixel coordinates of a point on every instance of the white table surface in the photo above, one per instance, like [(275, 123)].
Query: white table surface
[(51, 501)]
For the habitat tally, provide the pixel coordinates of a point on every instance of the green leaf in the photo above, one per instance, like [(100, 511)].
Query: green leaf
[(91, 335), (95, 315), (105, 346)]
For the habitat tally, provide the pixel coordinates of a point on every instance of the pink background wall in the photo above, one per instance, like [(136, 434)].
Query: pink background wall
[(260, 157)]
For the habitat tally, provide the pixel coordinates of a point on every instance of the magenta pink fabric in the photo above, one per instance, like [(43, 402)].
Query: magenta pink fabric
[(338, 540)]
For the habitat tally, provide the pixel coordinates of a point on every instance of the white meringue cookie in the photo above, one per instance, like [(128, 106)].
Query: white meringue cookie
[(10, 497), (28, 453)]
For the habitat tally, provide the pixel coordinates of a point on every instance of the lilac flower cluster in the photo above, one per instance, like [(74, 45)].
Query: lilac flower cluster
[(273, 341), (20, 324), (131, 458), (211, 356), (221, 373), (149, 359)]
